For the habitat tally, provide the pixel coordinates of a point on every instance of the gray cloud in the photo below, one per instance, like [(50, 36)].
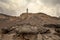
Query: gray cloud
[(55, 3), (12, 7), (16, 7), (4, 1), (52, 2)]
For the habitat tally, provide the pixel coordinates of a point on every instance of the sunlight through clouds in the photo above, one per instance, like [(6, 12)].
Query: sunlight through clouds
[(17, 7)]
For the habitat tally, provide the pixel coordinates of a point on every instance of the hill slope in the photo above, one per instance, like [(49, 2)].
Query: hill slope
[(28, 23)]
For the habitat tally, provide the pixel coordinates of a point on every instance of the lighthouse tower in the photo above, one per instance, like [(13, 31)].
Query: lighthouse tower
[(27, 12)]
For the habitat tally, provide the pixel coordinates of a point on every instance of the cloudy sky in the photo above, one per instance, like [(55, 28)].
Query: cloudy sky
[(17, 7)]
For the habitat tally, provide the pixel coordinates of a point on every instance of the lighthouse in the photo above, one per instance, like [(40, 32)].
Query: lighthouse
[(27, 12)]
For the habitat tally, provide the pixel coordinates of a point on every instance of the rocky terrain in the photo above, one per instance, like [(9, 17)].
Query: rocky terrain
[(31, 26)]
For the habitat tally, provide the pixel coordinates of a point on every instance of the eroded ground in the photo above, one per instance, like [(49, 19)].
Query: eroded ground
[(29, 27)]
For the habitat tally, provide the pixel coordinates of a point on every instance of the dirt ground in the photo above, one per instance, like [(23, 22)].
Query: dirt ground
[(38, 26)]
